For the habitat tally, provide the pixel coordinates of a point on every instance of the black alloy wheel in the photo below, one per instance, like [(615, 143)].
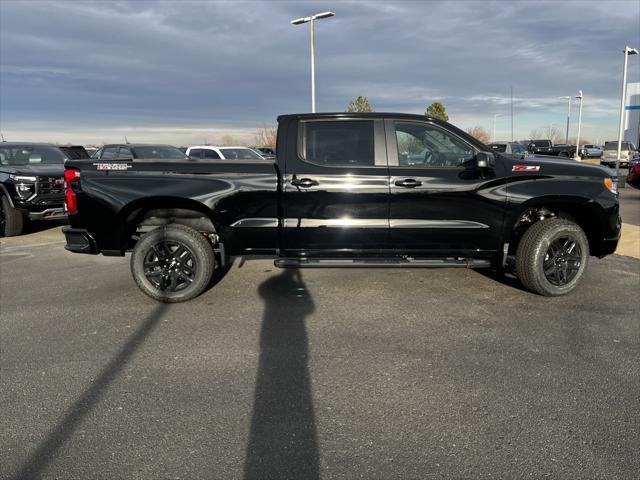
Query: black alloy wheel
[(562, 261), (170, 266), (173, 263), (552, 256)]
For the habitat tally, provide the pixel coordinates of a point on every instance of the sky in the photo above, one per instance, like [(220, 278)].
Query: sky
[(188, 72)]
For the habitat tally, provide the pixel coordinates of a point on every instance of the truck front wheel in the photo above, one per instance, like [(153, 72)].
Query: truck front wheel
[(173, 263), (552, 257), (11, 219)]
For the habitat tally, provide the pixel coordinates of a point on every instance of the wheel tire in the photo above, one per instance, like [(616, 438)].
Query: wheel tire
[(11, 219), (533, 252), (154, 249)]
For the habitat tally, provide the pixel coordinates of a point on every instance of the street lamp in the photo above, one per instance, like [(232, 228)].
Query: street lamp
[(493, 136), (627, 51), (568, 98), (580, 97), (311, 19)]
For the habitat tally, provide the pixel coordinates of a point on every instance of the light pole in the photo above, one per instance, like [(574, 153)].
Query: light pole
[(311, 19), (568, 98), (580, 97), (493, 136), (627, 51)]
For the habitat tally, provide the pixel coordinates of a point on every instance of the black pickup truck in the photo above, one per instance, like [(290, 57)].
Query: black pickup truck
[(31, 185), (546, 147), (347, 190)]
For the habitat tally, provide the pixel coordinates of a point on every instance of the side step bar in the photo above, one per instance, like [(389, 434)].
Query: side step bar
[(407, 262)]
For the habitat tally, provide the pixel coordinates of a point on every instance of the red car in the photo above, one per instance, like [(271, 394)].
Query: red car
[(633, 177)]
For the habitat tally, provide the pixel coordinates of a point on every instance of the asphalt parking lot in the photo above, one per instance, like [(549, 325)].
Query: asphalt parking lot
[(384, 374)]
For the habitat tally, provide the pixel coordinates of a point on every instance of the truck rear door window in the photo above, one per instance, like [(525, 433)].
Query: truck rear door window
[(338, 143)]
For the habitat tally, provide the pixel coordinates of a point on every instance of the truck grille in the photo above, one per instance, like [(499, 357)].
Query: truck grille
[(50, 186)]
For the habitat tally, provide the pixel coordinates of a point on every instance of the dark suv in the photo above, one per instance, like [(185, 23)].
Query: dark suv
[(31, 185)]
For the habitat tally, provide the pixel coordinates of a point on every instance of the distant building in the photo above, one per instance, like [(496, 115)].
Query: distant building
[(632, 114)]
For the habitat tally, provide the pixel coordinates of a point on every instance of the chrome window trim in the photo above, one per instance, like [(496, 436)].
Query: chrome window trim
[(272, 222)]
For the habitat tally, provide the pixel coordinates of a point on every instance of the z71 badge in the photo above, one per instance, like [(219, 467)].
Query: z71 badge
[(112, 166), (525, 168)]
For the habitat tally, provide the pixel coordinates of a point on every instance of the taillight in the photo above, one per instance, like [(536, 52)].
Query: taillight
[(71, 176)]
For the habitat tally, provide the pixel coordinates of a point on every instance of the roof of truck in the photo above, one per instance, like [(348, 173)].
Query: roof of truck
[(359, 114)]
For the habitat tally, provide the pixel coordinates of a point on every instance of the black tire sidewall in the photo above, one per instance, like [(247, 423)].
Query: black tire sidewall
[(543, 234), (13, 218), (202, 253)]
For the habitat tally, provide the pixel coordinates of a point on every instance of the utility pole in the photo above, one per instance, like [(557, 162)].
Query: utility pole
[(568, 98), (511, 113), (310, 20)]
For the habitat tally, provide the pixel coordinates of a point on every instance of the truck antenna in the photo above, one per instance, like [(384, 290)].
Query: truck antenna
[(2, 135), (126, 140)]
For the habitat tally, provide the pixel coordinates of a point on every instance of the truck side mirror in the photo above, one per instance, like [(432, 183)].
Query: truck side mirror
[(485, 160)]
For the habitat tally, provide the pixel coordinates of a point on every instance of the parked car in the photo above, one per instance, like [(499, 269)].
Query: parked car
[(590, 151), (133, 151), (546, 147), (31, 185), (633, 177), (340, 194), (509, 148), (610, 153), (267, 152), (208, 152)]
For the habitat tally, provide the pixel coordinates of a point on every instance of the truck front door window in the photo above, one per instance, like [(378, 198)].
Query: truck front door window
[(424, 145)]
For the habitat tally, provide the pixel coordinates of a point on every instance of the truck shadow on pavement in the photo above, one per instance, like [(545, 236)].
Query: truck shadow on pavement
[(283, 441), (62, 431)]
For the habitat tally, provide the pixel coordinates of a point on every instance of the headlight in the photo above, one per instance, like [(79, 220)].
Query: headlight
[(611, 185), (25, 186)]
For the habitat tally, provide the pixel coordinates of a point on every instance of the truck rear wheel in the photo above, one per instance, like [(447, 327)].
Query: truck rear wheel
[(173, 263), (552, 257), (11, 219)]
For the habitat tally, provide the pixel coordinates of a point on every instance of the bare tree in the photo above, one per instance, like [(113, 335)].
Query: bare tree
[(266, 136), (583, 141), (228, 140), (479, 133), (550, 132)]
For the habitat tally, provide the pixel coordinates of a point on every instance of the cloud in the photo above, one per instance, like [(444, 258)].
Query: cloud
[(102, 66)]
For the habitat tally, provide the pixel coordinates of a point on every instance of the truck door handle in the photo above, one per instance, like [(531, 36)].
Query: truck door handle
[(408, 183), (304, 182)]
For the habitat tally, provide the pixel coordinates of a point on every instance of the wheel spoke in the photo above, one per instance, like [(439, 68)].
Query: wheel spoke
[(187, 269), (184, 277), (159, 254)]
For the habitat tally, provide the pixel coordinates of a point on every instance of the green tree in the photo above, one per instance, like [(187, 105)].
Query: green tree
[(360, 104), (437, 110)]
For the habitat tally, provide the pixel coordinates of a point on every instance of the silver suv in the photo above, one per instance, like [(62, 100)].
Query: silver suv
[(609, 155)]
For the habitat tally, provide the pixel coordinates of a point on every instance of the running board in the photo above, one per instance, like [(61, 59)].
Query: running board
[(380, 262)]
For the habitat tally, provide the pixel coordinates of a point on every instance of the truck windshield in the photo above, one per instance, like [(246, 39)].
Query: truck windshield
[(31, 155), (158, 151), (541, 143), (240, 154)]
